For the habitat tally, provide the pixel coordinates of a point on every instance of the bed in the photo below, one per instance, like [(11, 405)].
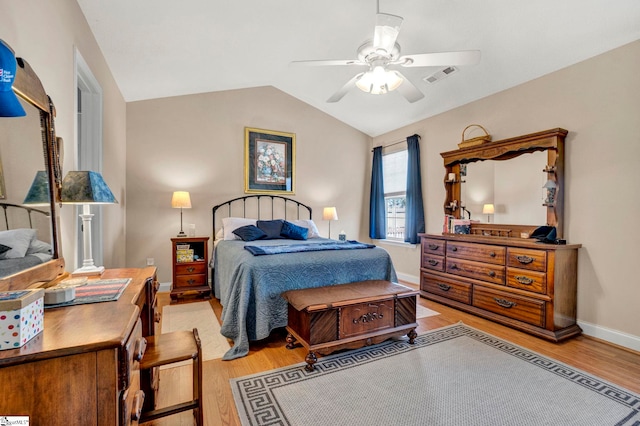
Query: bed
[(22, 231), (249, 286)]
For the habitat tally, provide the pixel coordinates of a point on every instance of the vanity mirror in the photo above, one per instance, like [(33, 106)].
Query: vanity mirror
[(28, 219), (510, 174)]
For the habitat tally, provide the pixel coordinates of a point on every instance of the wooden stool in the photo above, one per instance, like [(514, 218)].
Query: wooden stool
[(169, 348)]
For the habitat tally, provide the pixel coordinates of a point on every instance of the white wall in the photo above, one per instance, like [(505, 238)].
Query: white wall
[(598, 102)]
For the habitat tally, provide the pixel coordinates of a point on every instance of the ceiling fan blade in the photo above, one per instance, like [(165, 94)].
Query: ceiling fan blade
[(386, 31), (344, 89), (329, 62), (464, 57), (409, 90)]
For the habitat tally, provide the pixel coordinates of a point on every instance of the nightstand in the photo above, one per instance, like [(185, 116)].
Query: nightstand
[(190, 267)]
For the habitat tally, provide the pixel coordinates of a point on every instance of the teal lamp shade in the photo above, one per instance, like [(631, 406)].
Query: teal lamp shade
[(38, 194), (85, 187)]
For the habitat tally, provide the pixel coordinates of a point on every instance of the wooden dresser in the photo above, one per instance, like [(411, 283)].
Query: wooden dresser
[(517, 282), (83, 368)]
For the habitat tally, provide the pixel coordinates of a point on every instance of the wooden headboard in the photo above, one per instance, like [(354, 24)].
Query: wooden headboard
[(264, 207)]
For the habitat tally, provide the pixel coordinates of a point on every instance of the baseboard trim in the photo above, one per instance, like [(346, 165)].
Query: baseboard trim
[(616, 337), (412, 279), (165, 287)]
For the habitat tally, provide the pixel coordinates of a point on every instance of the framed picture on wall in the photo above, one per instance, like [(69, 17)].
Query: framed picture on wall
[(269, 161)]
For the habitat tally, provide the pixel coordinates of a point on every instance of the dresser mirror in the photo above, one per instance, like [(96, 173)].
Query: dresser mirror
[(28, 145), (510, 174)]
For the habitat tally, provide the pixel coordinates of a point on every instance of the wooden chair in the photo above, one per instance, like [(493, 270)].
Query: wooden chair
[(169, 348)]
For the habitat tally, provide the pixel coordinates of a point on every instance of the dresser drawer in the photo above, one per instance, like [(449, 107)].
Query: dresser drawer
[(521, 308), (131, 401), (527, 280), (433, 246), (130, 356), (191, 268), (481, 271), (535, 260), (430, 261), (364, 318), (478, 252), (450, 289), (190, 280)]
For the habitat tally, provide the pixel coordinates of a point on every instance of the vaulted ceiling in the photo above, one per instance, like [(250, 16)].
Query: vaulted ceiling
[(162, 48)]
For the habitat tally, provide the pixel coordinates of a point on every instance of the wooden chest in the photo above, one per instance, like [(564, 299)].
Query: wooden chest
[(349, 316)]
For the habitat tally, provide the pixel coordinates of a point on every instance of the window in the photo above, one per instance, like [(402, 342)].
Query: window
[(394, 166)]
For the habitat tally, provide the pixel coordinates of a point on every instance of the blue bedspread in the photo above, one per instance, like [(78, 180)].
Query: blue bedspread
[(300, 247), (249, 287)]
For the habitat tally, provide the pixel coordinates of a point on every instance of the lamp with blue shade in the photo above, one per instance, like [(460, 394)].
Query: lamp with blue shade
[(38, 194), (86, 188)]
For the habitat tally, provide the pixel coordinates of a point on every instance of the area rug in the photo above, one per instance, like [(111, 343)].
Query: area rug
[(95, 291), (200, 315), (452, 376), (422, 312)]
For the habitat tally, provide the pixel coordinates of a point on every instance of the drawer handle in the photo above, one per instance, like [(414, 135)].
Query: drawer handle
[(505, 303), (492, 274), (524, 280), (432, 262), (157, 316), (444, 287), (492, 254), (454, 248), (525, 259), (191, 281), (191, 269), (433, 246), (454, 266), (138, 402), (139, 348)]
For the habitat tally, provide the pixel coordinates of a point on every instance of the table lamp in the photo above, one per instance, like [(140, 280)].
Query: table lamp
[(329, 213), (488, 209), (86, 188), (181, 200)]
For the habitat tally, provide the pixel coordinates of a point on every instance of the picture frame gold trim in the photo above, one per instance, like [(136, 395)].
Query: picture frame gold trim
[(269, 161)]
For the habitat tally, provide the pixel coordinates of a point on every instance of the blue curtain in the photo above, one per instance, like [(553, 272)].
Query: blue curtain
[(414, 219), (377, 217)]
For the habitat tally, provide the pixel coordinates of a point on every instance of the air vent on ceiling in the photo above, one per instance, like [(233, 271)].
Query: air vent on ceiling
[(440, 74)]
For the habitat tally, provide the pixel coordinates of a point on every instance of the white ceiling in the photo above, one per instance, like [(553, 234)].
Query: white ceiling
[(161, 48)]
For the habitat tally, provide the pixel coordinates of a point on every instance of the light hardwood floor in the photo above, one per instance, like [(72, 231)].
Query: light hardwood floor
[(615, 364)]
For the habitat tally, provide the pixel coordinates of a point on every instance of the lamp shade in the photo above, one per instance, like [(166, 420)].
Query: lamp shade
[(329, 213), (488, 209), (181, 200), (85, 187), (39, 192)]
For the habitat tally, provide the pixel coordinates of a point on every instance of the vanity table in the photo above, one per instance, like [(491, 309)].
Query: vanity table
[(83, 368), (496, 271)]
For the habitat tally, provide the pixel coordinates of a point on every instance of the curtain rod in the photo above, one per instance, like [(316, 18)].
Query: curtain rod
[(396, 142)]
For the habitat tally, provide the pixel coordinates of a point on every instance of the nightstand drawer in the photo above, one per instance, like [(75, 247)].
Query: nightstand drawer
[(191, 268), (190, 280)]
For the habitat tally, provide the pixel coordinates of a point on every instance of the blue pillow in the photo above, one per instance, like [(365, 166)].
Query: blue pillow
[(294, 232), (249, 233), (272, 228)]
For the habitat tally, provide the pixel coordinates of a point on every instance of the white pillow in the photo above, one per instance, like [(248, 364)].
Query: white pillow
[(37, 246), (19, 240), (307, 223), (230, 224), (219, 234)]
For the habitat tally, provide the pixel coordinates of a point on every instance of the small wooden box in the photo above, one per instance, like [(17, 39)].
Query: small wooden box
[(21, 317)]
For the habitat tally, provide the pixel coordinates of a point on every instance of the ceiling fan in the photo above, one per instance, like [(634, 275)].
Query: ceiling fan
[(383, 52)]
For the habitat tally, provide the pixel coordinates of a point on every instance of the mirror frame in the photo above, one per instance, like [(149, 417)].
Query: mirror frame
[(551, 141), (28, 86)]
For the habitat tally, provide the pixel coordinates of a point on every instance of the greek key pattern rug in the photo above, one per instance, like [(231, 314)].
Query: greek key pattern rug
[(455, 375)]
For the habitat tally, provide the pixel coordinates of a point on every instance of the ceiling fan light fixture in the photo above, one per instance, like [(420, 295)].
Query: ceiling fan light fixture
[(386, 32), (379, 81)]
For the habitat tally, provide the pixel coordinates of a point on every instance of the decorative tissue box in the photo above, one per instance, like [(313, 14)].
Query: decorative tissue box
[(21, 317), (184, 255)]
